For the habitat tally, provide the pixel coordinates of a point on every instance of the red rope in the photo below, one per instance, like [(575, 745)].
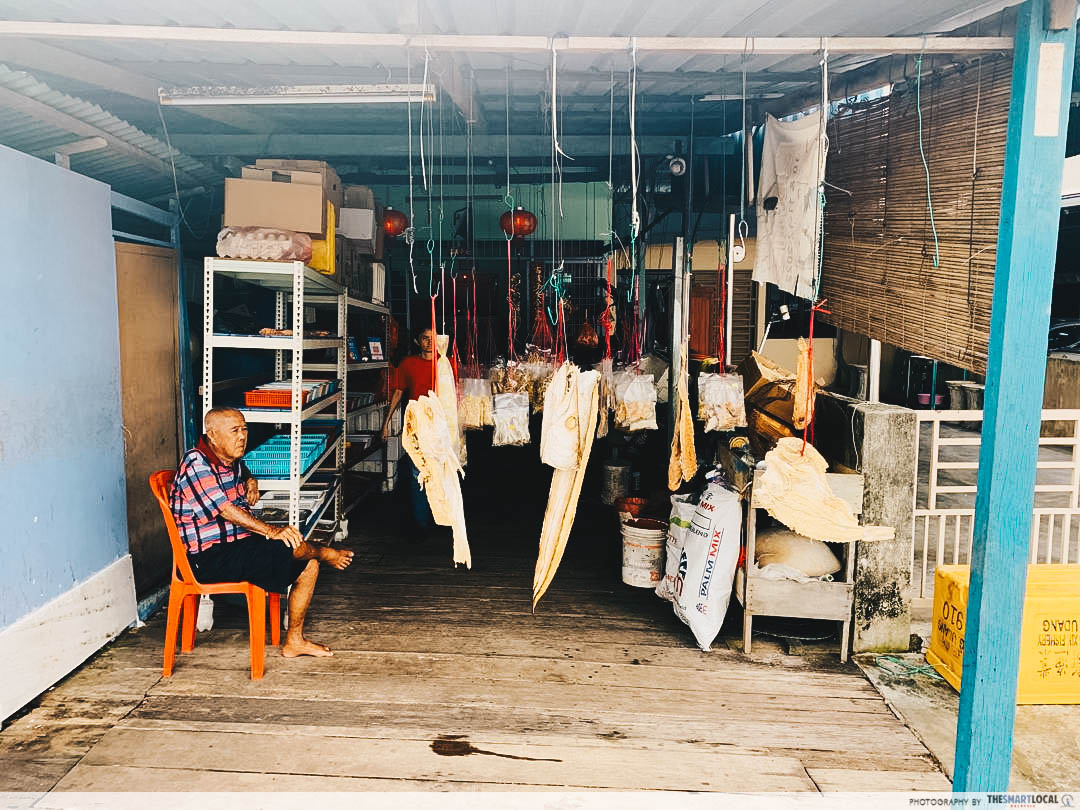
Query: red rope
[(809, 426), (434, 350), (541, 336), (454, 347), (605, 319)]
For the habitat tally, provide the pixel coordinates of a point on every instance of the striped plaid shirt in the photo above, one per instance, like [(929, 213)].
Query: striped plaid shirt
[(203, 485)]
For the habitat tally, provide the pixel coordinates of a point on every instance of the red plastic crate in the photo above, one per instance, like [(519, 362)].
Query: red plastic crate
[(272, 399)]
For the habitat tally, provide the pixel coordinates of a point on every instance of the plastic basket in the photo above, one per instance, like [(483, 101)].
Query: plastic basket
[(271, 458), (279, 395), (271, 399)]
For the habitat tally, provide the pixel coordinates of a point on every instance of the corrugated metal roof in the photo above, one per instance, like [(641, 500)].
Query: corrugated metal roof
[(123, 172)]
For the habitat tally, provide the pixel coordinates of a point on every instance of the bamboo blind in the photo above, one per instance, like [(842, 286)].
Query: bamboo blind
[(878, 272)]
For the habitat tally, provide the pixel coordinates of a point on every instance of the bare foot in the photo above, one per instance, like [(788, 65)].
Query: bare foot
[(339, 558), (305, 647)]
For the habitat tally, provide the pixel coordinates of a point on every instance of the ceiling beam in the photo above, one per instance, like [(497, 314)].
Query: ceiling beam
[(880, 73), (723, 76), (61, 120), (461, 88), (397, 145), (740, 46)]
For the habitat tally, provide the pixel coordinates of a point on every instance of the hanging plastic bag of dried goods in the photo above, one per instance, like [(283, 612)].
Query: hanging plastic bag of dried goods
[(539, 369), (587, 337), (720, 401), (476, 404), (635, 401), (508, 377), (511, 419)]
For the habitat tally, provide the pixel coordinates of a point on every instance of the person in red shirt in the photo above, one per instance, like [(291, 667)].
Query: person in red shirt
[(413, 378)]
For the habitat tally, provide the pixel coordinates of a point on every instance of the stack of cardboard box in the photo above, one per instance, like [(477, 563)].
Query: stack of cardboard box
[(292, 195)]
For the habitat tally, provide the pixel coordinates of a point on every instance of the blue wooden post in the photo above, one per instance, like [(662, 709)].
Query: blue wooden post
[(1027, 244)]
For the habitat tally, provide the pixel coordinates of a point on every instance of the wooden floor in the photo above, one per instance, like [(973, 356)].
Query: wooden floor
[(444, 680)]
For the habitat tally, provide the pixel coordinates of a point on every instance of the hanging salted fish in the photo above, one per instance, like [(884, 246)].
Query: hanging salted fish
[(582, 399), (683, 462), (426, 438)]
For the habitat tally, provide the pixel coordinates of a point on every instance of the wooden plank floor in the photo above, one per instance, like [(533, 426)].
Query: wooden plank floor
[(444, 680)]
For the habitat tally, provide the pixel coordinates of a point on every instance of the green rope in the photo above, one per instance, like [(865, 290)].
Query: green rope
[(897, 666), (922, 154)]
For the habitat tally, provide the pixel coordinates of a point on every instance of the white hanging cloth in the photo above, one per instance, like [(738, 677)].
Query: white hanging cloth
[(792, 166)]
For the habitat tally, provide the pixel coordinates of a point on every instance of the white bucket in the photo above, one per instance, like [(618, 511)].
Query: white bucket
[(642, 556), (616, 483)]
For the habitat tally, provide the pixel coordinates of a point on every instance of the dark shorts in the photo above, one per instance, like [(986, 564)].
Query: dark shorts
[(267, 563)]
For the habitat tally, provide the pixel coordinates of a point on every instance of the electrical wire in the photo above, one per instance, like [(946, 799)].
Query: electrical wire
[(176, 185), (922, 154)]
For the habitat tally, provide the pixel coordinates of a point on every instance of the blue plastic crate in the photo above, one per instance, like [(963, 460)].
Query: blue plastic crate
[(271, 458)]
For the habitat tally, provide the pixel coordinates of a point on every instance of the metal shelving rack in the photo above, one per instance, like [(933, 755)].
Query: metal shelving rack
[(296, 284), (376, 407)]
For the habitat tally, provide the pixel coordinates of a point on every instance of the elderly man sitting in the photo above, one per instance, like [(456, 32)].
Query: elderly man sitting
[(211, 500)]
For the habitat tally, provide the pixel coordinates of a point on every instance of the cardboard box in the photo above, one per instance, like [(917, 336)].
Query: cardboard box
[(359, 197), (378, 283), (311, 172), (288, 206), (359, 225)]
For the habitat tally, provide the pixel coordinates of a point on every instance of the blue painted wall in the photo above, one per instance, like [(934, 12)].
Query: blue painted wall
[(62, 494)]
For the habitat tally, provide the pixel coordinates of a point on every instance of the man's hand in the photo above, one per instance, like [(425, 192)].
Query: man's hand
[(289, 535), (386, 430), (252, 491)]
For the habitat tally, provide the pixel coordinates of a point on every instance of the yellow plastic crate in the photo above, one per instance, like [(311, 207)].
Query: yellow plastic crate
[(1049, 637)]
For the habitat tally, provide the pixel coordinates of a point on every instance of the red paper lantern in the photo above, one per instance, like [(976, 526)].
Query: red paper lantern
[(394, 222), (518, 222)]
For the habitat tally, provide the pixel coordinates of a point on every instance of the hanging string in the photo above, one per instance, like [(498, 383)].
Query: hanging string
[(509, 198), (410, 232), (559, 153), (432, 289), (922, 154), (554, 102), (721, 331), (611, 125), (423, 91), (742, 173), (511, 353), (454, 346), (442, 265), (819, 303), (823, 154), (810, 409), (635, 217)]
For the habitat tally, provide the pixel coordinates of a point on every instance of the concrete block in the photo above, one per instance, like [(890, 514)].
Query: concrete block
[(878, 441)]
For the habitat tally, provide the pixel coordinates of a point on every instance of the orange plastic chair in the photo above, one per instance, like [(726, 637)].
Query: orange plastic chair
[(184, 592)]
